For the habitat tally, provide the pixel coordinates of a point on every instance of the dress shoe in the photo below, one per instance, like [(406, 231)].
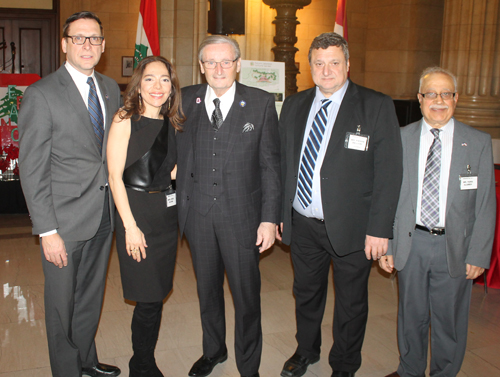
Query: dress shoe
[(204, 366), (395, 374), (253, 375), (337, 373), (297, 365), (101, 370)]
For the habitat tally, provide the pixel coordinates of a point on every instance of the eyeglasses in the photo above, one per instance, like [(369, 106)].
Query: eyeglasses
[(80, 40), (432, 95), (225, 64)]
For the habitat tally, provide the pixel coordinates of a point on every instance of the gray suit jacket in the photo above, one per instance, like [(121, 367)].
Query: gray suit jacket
[(251, 172), (470, 214), (63, 174)]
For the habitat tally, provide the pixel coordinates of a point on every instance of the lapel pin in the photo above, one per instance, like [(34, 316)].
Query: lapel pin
[(198, 100), (464, 144), (243, 103)]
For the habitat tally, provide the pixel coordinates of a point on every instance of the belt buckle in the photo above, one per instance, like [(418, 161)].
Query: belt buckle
[(436, 231)]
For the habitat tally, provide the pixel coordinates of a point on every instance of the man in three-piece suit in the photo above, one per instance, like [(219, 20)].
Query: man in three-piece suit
[(228, 190), (341, 165), (443, 232), (63, 125)]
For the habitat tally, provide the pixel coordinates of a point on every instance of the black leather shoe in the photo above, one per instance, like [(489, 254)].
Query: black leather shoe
[(337, 373), (253, 375), (297, 365), (204, 366), (101, 370)]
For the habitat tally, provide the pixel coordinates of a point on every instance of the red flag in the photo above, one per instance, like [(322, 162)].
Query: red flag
[(147, 39), (341, 19)]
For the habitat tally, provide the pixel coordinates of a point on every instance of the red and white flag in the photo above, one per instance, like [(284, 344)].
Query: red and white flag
[(147, 41), (341, 19)]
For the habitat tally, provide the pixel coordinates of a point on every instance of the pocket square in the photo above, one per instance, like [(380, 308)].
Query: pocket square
[(248, 127)]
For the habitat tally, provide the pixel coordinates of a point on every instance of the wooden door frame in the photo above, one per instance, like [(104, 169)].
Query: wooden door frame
[(52, 15)]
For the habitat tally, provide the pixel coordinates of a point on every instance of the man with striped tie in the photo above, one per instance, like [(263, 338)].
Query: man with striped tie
[(341, 174), (444, 229), (63, 125)]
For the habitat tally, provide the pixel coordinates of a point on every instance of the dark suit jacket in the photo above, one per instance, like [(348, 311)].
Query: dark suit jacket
[(470, 214), (251, 173), (359, 189), (63, 174)]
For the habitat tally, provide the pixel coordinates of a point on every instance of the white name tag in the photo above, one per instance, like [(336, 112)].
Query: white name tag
[(356, 142), (171, 200), (468, 183)]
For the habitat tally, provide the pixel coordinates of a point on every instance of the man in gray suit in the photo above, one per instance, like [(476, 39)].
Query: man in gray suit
[(63, 125), (228, 189), (443, 232)]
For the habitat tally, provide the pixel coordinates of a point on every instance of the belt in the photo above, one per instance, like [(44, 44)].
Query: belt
[(149, 191), (433, 231)]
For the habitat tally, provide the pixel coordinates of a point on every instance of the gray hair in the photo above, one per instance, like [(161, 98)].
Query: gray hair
[(431, 70), (218, 39), (326, 40)]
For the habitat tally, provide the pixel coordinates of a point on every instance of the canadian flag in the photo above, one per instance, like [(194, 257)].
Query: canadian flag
[(147, 40), (341, 19)]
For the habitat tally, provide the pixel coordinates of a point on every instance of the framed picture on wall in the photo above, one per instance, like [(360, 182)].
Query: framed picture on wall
[(127, 66)]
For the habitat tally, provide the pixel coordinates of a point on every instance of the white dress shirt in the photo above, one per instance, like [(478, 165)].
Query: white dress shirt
[(315, 209), (426, 139), (226, 101)]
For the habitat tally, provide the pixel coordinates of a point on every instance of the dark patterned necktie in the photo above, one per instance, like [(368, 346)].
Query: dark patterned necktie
[(217, 119), (95, 112), (310, 155), (430, 188)]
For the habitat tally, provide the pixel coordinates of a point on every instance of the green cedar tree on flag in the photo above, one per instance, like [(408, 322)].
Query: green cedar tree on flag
[(147, 41), (341, 19)]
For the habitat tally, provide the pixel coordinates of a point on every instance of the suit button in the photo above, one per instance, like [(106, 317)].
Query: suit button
[(101, 188), (188, 197), (215, 198), (291, 200), (192, 175), (409, 234), (104, 162), (215, 183)]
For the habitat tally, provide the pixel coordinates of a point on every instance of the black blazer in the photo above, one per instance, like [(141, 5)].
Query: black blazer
[(360, 189), (251, 172)]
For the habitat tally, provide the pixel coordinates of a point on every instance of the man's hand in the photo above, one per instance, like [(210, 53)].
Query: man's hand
[(473, 272), (279, 231), (54, 250), (386, 263), (265, 236), (375, 247)]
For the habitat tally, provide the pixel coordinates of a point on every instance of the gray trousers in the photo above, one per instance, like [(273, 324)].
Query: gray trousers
[(429, 296), (73, 301)]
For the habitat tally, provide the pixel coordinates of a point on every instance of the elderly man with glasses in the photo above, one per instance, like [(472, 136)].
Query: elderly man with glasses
[(228, 193), (444, 228)]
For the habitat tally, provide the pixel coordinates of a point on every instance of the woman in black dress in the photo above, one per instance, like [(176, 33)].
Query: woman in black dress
[(141, 158)]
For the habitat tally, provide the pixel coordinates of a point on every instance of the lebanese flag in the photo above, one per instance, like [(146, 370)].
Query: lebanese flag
[(341, 19), (147, 41)]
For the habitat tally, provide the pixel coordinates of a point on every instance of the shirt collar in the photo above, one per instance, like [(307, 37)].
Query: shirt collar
[(447, 128), (77, 76), (228, 96), (336, 97)]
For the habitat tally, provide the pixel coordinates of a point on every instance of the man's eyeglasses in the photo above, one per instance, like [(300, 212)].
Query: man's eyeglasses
[(225, 64), (80, 40), (432, 95)]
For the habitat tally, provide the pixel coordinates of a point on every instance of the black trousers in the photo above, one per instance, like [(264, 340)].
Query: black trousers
[(312, 254), (73, 301), (214, 248)]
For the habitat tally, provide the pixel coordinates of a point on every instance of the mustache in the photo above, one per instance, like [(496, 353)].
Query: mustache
[(438, 107)]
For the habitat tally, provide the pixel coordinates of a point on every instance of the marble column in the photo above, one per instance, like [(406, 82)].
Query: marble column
[(471, 50), (285, 38)]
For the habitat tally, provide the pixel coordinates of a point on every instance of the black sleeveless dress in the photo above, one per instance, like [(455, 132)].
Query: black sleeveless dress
[(149, 280)]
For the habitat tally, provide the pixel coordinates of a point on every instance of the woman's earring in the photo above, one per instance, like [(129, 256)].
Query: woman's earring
[(169, 98)]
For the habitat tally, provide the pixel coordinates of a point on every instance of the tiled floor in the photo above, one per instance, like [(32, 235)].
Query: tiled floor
[(23, 351)]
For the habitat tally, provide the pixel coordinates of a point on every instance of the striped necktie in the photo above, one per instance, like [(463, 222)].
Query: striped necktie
[(310, 155), (429, 214), (95, 112)]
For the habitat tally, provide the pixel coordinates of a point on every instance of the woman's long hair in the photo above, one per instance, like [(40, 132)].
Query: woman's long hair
[(172, 108)]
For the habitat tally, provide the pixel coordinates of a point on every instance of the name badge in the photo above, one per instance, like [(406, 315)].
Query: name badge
[(171, 199), (356, 141), (468, 182)]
